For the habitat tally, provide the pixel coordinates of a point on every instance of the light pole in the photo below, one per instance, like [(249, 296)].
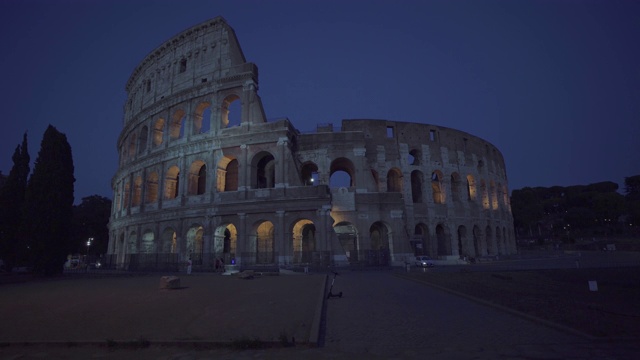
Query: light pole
[(89, 244)]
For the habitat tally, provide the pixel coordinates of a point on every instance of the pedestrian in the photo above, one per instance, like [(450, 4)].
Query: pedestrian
[(189, 263)]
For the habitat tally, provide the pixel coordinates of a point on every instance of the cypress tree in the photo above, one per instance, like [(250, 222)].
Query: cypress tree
[(49, 204), (12, 196)]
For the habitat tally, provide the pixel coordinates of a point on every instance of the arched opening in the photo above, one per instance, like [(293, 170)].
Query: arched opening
[(380, 237), (176, 128), (148, 245), (416, 186), (414, 157), (202, 118), (197, 178), (227, 175), (444, 248), (152, 188), (265, 174), (341, 173), (421, 242), (394, 180), (144, 134), (477, 241), (304, 242), (348, 239), (485, 195), (132, 146), (471, 188), (455, 187), (437, 187), (133, 243), (231, 111), (225, 242), (169, 241), (127, 191), (463, 244), (491, 246), (137, 191), (158, 132), (172, 182), (309, 174), (195, 247), (499, 244), (494, 195), (264, 243)]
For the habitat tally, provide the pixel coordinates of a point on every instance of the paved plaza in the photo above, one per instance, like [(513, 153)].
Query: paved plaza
[(380, 316)]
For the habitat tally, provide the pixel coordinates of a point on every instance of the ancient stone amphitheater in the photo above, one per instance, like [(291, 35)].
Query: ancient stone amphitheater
[(203, 175)]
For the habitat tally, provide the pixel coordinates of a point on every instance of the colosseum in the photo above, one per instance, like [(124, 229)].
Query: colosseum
[(204, 176)]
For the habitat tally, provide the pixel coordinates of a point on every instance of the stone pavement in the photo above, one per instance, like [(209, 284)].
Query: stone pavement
[(380, 316)]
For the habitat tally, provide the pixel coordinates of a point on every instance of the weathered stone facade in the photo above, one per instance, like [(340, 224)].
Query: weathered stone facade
[(194, 181)]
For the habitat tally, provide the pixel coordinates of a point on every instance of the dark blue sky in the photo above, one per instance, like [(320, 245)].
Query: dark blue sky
[(555, 85)]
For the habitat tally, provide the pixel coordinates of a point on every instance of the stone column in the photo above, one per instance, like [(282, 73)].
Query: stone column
[(280, 240), (241, 241)]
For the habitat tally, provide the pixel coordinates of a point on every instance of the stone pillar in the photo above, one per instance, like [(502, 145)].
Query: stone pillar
[(241, 241), (244, 169), (280, 239), (282, 170)]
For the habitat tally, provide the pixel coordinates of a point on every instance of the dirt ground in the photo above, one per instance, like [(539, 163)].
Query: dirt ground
[(562, 296)]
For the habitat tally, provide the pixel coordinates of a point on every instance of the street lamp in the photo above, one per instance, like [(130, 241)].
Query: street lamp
[(89, 244)]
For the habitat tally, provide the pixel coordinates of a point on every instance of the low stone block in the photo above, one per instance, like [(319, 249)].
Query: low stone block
[(169, 282), (247, 274)]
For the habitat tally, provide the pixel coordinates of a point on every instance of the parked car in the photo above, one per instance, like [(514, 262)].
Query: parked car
[(424, 261)]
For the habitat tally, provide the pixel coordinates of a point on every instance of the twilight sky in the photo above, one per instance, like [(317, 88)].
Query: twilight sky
[(554, 84)]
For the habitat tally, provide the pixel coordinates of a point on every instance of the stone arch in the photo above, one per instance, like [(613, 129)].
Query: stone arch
[(494, 196), (485, 194), (202, 118), (132, 243), (169, 240), (172, 183), (417, 179), (477, 241), (148, 245), (471, 188), (499, 243), (158, 132), (394, 180), (422, 237), (309, 173), (226, 110), (131, 152), (455, 187), (442, 238), (348, 239), (414, 157), (227, 174), (304, 241), (136, 199), (152, 188), (346, 168), (176, 127), (264, 172), (262, 241), (194, 244), (142, 142), (127, 191), (380, 235), (490, 241), (437, 187), (464, 246), (197, 178), (225, 242)]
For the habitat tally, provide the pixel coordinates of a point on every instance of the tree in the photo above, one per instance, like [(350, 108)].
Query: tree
[(90, 219), (49, 204), (632, 198), (11, 203)]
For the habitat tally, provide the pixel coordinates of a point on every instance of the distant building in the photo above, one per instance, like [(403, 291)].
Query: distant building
[(195, 181)]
